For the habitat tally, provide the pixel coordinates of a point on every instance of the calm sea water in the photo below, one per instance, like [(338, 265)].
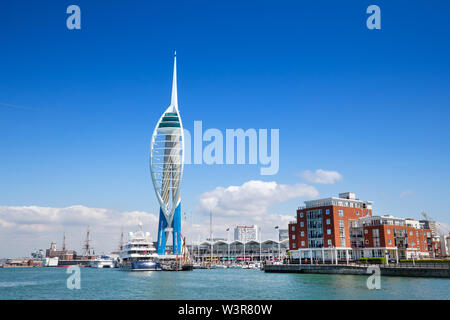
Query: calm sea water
[(50, 283)]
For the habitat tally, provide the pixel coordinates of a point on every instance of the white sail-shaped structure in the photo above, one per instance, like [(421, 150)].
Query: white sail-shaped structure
[(166, 167)]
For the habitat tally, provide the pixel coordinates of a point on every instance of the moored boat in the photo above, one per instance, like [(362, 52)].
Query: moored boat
[(102, 262), (139, 254)]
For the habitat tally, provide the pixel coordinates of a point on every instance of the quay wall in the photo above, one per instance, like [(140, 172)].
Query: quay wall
[(359, 270)]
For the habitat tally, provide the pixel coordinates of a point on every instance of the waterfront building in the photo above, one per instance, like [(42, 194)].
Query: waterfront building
[(166, 167), (215, 239), (377, 236), (343, 228), (246, 233), (63, 254), (238, 251)]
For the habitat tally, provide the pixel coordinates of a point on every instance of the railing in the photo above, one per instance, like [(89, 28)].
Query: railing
[(408, 265)]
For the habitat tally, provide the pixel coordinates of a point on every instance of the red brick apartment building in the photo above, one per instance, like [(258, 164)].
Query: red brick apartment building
[(343, 228)]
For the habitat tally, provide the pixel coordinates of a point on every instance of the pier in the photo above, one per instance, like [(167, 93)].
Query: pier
[(432, 270)]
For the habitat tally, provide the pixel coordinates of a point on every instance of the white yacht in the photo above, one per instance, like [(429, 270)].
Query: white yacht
[(103, 262), (139, 254)]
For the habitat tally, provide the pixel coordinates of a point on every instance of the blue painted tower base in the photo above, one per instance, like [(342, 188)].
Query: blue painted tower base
[(176, 226)]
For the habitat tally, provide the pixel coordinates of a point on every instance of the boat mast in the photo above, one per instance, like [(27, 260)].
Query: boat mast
[(210, 233), (64, 242), (87, 245), (121, 240)]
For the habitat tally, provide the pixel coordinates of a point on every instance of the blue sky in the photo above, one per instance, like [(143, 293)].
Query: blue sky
[(372, 105)]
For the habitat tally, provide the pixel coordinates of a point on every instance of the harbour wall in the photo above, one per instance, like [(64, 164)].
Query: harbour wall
[(393, 271)]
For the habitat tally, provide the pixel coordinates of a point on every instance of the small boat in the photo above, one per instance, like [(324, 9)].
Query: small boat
[(201, 266), (250, 266)]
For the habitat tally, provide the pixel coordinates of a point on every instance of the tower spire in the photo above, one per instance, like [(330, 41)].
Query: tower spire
[(174, 100)]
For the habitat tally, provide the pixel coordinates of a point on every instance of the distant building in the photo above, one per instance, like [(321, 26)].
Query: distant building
[(215, 239), (428, 224), (283, 234), (38, 255), (445, 245), (53, 252), (246, 233), (436, 249)]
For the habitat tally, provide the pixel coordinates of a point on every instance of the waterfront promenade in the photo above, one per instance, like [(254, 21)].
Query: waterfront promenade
[(434, 270)]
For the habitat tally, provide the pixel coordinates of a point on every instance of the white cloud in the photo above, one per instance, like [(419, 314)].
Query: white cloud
[(406, 193), (25, 228), (321, 176), (247, 204), (251, 198)]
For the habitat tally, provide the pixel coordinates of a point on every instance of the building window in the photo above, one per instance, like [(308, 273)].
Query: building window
[(342, 232), (328, 221), (302, 234), (357, 213), (328, 231), (389, 241), (301, 214), (329, 242), (389, 231), (412, 243), (293, 237), (327, 211), (293, 228), (302, 224), (410, 233), (376, 237), (341, 213), (303, 243), (366, 231), (293, 245), (367, 241)]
